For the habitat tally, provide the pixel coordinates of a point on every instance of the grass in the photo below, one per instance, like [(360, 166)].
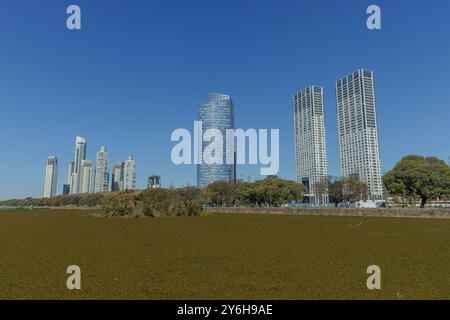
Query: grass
[(223, 256)]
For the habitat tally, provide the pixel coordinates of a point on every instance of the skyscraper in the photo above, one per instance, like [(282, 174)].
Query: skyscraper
[(80, 155), (310, 142), (358, 134), (154, 182), (67, 187), (117, 179), (218, 113), (50, 177), (86, 177), (101, 171), (129, 174)]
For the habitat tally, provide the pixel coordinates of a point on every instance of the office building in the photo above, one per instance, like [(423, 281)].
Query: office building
[(218, 113), (154, 182)]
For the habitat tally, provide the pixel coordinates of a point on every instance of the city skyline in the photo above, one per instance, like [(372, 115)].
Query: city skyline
[(358, 143), (85, 176), (129, 84), (359, 154)]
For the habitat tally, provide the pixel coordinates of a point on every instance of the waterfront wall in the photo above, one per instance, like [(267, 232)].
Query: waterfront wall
[(385, 212)]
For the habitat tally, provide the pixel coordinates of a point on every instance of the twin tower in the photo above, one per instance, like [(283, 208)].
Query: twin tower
[(358, 135)]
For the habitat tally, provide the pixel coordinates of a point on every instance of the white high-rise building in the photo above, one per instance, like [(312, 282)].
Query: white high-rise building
[(86, 177), (310, 142), (50, 177), (358, 134), (80, 155), (129, 181), (101, 171)]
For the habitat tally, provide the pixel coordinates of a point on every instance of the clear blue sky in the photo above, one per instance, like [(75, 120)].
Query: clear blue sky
[(138, 69)]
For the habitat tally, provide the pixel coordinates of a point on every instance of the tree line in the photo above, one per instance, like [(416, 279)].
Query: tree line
[(190, 201), (414, 177), (271, 191)]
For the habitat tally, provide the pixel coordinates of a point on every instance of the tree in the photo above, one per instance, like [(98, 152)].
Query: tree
[(424, 177), (270, 192), (245, 193), (346, 189), (221, 193), (321, 188), (170, 202), (274, 192), (192, 199), (124, 204)]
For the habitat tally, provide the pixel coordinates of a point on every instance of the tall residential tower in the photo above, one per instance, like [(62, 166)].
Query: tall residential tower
[(68, 185), (358, 134), (86, 177), (310, 142), (101, 171), (129, 180), (80, 155), (50, 177)]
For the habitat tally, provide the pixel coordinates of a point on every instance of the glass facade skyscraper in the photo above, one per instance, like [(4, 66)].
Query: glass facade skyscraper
[(218, 113)]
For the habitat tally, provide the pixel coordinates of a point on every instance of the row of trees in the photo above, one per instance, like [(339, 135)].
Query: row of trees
[(413, 177), (79, 200), (271, 191), (275, 192)]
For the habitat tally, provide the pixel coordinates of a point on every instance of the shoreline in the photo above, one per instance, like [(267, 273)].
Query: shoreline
[(428, 213)]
